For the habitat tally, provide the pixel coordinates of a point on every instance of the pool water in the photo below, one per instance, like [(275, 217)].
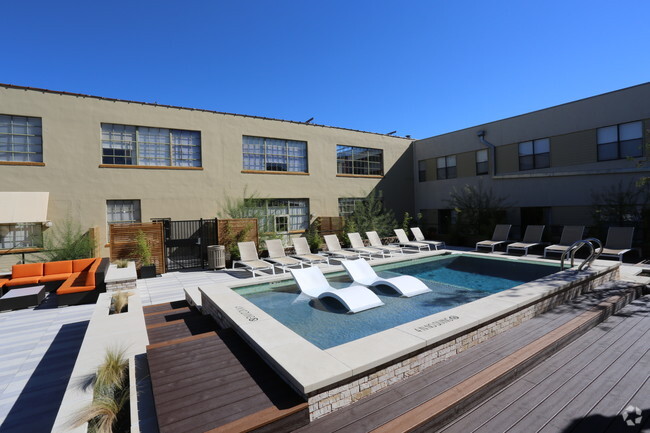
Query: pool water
[(454, 280)]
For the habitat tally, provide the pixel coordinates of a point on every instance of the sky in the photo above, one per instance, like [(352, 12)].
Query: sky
[(421, 68)]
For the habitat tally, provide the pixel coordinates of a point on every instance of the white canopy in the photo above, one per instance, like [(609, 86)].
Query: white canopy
[(23, 207)]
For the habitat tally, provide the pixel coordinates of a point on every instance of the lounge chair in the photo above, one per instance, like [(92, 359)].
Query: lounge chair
[(570, 235), (250, 259), (375, 242), (362, 273), (500, 236), (313, 283), (532, 237), (404, 241), (419, 237), (304, 253), (278, 257), (334, 249), (357, 245), (619, 242)]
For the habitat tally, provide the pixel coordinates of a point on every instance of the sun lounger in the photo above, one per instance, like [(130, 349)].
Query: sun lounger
[(334, 249), (313, 283), (619, 242), (500, 236), (419, 237), (278, 257), (362, 273), (404, 241), (375, 242), (570, 235), (532, 237), (304, 253), (250, 259), (357, 245)]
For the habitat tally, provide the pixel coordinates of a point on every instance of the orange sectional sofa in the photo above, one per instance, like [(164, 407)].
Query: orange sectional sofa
[(82, 279)]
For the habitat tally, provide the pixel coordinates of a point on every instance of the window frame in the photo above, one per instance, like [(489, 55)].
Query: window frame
[(32, 140), (422, 170), (446, 168), (348, 202), (618, 143), (486, 162), (265, 156), (539, 160), (137, 209), (268, 217), (31, 238), (352, 167)]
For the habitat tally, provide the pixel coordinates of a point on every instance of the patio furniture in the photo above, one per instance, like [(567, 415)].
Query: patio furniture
[(375, 242), (22, 298), (419, 237), (313, 283), (304, 253), (362, 273), (570, 235), (532, 237), (85, 283), (250, 260), (404, 241), (334, 249), (278, 257), (357, 245), (619, 242), (500, 236)]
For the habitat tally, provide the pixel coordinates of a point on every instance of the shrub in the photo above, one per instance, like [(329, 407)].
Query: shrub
[(142, 250), (478, 210), (314, 239), (370, 215), (119, 300), (67, 241)]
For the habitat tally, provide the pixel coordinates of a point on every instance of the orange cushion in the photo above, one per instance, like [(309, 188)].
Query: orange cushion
[(3, 281), (62, 267), (24, 281), (81, 264), (74, 289), (27, 270), (90, 277), (54, 277)]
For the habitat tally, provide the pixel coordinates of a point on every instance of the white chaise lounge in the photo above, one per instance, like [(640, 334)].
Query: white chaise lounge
[(313, 283), (532, 237), (499, 236), (619, 242), (278, 257), (250, 259), (375, 242), (362, 273), (419, 237), (357, 245), (570, 235), (304, 253), (335, 249), (404, 241)]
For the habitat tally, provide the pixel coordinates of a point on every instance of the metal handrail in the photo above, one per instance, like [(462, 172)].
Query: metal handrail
[(593, 255)]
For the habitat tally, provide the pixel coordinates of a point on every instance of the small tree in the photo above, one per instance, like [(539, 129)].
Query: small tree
[(406, 222), (312, 234), (370, 215), (142, 249), (478, 209), (620, 204), (67, 241)]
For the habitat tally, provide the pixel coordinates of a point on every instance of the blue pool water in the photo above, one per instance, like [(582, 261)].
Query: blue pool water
[(454, 280)]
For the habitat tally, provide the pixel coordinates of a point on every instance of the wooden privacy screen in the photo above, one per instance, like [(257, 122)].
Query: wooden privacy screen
[(236, 225), (331, 225), (123, 242)]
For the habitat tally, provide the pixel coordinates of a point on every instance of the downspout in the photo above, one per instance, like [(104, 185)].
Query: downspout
[(481, 136)]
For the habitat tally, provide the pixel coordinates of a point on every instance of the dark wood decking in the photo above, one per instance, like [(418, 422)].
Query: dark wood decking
[(206, 379), (429, 400)]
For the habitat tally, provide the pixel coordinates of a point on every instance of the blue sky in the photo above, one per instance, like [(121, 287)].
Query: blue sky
[(419, 67)]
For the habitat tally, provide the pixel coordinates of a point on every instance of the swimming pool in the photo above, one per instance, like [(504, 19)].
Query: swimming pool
[(455, 280)]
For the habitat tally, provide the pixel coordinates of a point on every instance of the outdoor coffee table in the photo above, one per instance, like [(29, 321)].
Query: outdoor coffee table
[(22, 298)]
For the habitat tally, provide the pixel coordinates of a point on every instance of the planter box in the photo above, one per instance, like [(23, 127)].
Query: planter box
[(148, 271), (121, 278)]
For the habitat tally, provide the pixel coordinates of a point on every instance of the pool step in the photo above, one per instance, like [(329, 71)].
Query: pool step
[(430, 400)]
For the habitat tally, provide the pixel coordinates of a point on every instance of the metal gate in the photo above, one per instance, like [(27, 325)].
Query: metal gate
[(186, 242)]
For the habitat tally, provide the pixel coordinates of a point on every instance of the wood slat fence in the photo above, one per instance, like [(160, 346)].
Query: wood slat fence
[(228, 229), (123, 243)]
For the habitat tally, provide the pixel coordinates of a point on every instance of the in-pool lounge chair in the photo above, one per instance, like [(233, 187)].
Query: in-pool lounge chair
[(304, 253), (357, 245), (375, 242), (419, 237), (404, 241), (250, 259), (532, 237), (570, 235), (334, 249), (619, 242), (362, 273), (313, 283), (278, 257), (500, 236)]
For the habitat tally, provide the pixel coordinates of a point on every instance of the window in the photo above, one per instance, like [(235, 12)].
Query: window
[(281, 215), (446, 167), (23, 235), (422, 171), (139, 145), (270, 154), (534, 154), (122, 212), (21, 139), (620, 141), (347, 205), (359, 161), (482, 162)]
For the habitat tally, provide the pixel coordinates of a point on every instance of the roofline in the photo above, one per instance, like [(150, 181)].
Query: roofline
[(58, 92), (533, 112)]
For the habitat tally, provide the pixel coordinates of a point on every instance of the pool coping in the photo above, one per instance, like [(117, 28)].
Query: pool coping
[(310, 369)]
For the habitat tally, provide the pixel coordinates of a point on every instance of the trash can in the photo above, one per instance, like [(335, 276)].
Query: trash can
[(216, 256)]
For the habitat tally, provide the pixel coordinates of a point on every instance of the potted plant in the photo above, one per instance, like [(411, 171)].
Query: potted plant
[(143, 253)]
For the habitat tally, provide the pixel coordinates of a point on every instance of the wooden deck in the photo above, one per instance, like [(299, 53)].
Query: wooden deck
[(430, 401), (207, 379)]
